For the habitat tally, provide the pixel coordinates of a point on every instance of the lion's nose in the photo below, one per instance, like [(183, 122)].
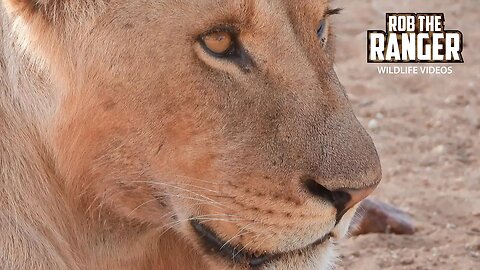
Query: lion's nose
[(342, 199)]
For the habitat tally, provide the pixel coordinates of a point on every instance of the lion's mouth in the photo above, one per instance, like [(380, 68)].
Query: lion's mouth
[(239, 254)]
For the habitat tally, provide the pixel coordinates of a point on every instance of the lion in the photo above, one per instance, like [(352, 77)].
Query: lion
[(172, 134)]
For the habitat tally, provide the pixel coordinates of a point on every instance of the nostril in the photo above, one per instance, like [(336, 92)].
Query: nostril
[(318, 190), (338, 198), (341, 199)]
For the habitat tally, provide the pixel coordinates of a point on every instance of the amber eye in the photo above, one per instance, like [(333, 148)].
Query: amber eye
[(219, 42)]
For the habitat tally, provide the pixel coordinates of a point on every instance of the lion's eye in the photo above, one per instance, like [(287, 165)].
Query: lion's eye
[(321, 29), (220, 43), (321, 32)]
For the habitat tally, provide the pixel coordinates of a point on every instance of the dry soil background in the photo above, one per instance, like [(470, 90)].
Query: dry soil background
[(427, 130)]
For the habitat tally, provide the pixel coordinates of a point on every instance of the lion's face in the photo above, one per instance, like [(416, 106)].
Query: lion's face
[(252, 153)]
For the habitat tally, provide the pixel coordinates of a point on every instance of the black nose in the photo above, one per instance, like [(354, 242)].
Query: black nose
[(342, 199)]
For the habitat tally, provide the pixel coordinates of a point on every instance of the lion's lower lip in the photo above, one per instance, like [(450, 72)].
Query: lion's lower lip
[(238, 254)]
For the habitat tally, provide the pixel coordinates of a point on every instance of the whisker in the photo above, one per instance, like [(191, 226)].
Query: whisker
[(218, 183), (181, 183), (182, 189), (136, 208), (238, 234), (189, 198), (266, 237)]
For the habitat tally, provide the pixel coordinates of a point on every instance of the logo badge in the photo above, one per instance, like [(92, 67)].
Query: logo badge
[(414, 38)]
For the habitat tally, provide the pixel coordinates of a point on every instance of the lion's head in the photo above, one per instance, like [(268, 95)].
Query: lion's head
[(223, 121)]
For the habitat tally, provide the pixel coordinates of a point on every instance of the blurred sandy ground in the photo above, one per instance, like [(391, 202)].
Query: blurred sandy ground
[(427, 130)]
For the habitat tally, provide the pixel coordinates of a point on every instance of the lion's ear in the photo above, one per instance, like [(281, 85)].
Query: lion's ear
[(45, 28), (37, 11), (35, 23), (52, 13), (41, 25)]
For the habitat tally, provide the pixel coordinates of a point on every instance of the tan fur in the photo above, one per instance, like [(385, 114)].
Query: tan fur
[(116, 128)]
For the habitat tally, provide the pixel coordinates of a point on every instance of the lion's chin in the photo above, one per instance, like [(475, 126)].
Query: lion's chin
[(317, 255)]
